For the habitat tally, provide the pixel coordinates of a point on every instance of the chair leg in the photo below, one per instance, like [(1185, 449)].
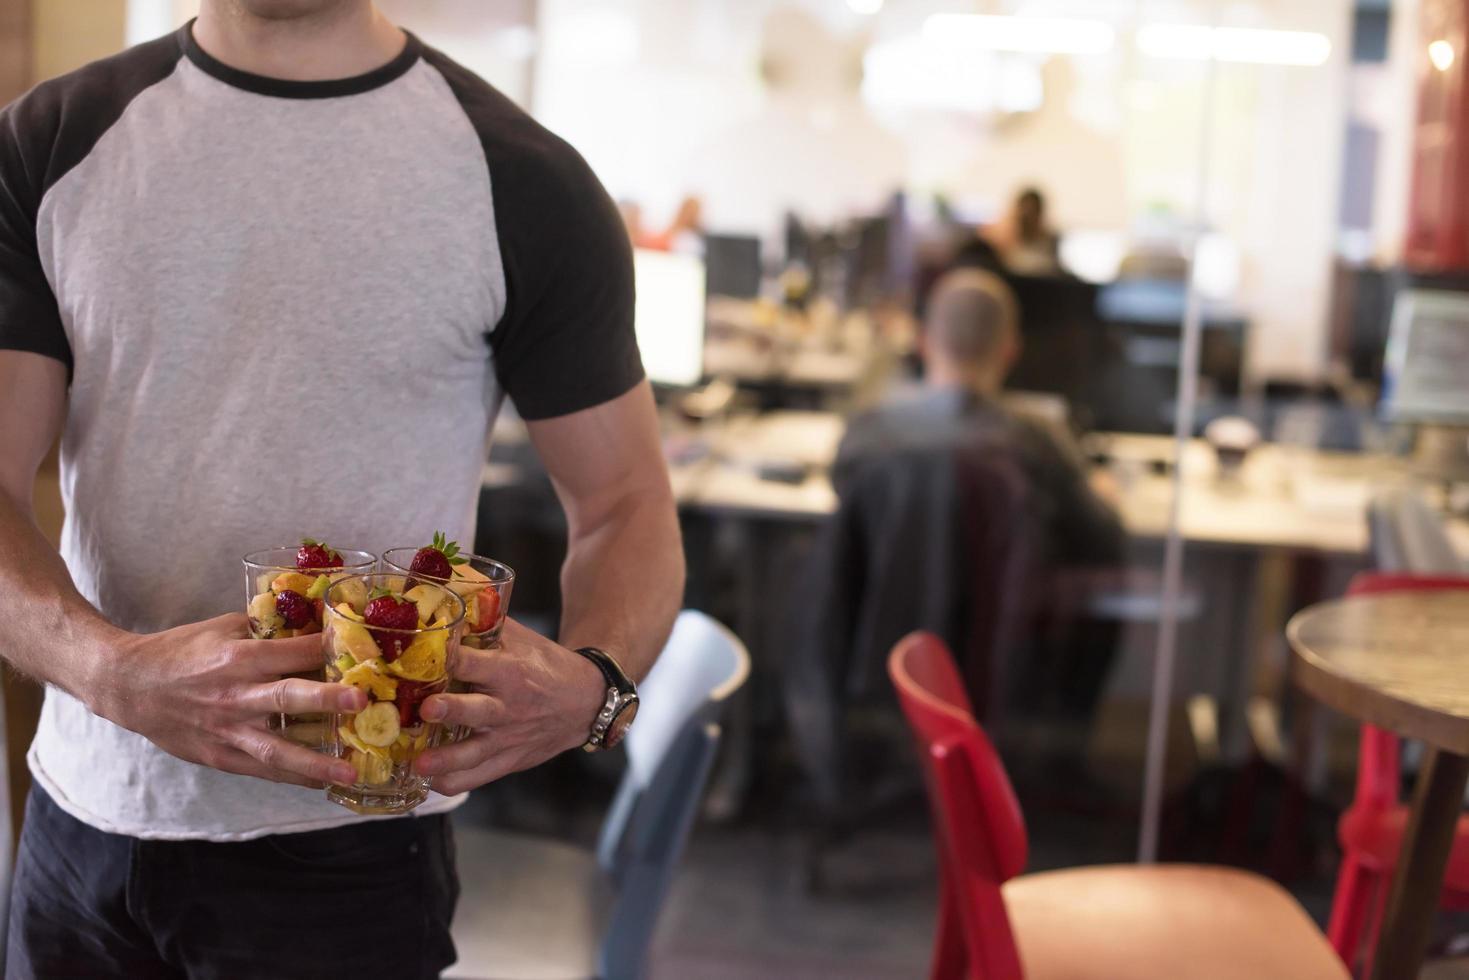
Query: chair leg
[(1355, 889), (1376, 906), (949, 958)]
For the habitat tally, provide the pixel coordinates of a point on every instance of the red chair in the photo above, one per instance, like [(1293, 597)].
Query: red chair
[(1112, 922), (1371, 830)]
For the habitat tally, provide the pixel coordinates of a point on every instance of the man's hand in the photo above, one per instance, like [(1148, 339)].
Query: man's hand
[(529, 701), (204, 693)]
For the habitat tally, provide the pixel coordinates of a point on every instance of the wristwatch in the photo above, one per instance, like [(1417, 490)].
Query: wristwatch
[(618, 709)]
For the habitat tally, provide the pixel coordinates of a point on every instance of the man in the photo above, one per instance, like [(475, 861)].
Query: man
[(270, 276), (968, 343)]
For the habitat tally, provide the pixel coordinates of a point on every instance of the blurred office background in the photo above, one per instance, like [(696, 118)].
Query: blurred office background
[(796, 175)]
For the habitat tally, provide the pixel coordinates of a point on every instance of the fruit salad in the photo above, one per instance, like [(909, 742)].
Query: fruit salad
[(483, 583), (285, 591), (395, 639)]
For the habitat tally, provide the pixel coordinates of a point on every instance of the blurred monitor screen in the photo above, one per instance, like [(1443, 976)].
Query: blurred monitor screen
[(1428, 358), (734, 265), (670, 316)]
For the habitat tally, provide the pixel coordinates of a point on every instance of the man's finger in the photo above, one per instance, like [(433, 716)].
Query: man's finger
[(496, 767), (468, 754), (478, 667), (291, 655), (274, 752), (298, 696), (241, 764), (474, 710)]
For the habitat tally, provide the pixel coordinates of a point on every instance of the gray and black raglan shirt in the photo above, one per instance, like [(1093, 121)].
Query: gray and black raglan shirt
[(286, 309)]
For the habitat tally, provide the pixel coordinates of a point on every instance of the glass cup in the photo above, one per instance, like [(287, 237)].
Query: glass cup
[(398, 668), (484, 584), (268, 575)]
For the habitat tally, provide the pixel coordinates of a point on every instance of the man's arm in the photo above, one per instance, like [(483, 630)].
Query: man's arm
[(201, 692), (622, 585)]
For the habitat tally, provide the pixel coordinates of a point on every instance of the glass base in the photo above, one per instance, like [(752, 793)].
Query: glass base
[(375, 802)]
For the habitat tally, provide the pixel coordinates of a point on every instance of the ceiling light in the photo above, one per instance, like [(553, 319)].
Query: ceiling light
[(865, 7), (1236, 44), (1441, 53), (1042, 35)]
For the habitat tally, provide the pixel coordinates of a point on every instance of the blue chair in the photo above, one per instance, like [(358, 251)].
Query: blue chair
[(539, 909)]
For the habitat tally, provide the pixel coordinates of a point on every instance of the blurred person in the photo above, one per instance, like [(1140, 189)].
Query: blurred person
[(1025, 241), (273, 275), (968, 342), (683, 232)]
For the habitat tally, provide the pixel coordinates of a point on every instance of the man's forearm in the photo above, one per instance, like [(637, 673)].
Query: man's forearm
[(50, 631), (623, 581)]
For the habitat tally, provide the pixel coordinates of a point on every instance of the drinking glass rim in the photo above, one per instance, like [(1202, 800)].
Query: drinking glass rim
[(250, 560), (327, 607), (497, 563)]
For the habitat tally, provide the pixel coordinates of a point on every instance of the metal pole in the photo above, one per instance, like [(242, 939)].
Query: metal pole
[(1183, 425)]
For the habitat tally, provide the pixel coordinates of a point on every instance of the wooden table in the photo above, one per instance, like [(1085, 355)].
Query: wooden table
[(1401, 662)]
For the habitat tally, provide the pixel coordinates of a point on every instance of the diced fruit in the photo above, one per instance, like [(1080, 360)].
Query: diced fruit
[(348, 611), (424, 659), (368, 676), (263, 615), (345, 663), (353, 591), (377, 724), (347, 735), (391, 612), (468, 580), (315, 554), (263, 580), (354, 640), (291, 582), (482, 611), (372, 770), (410, 695), (319, 587), (427, 598), (294, 608)]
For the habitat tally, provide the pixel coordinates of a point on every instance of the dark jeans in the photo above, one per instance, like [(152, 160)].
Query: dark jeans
[(372, 899)]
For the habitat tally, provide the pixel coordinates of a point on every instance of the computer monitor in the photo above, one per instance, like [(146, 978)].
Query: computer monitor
[(733, 263), (1428, 358), (669, 316)]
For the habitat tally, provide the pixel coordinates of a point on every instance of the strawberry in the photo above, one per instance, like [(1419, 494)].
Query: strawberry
[(294, 608), (410, 695), (486, 610), (315, 554), (390, 612), (438, 559)]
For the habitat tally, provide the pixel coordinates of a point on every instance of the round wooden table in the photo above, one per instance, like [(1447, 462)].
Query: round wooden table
[(1400, 661)]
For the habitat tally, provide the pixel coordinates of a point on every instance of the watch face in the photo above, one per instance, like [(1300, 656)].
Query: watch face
[(621, 724)]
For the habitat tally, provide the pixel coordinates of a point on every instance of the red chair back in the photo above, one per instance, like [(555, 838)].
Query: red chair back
[(1378, 774), (978, 825)]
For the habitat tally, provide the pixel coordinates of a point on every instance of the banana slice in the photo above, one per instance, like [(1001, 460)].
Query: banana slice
[(372, 769), (348, 736), (468, 580), (368, 676), (353, 592), (377, 724), (262, 611)]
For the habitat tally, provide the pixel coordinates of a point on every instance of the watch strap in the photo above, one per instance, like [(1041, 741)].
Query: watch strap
[(612, 671)]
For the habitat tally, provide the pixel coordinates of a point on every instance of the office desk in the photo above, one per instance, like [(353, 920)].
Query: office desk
[(1284, 498)]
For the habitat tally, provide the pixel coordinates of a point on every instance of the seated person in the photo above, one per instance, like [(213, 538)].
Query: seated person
[(1026, 243), (968, 342)]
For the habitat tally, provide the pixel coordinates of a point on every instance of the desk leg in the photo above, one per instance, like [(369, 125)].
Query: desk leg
[(1413, 901)]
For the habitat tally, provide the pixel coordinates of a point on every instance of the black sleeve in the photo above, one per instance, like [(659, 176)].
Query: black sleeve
[(43, 135), (565, 341), (29, 319)]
